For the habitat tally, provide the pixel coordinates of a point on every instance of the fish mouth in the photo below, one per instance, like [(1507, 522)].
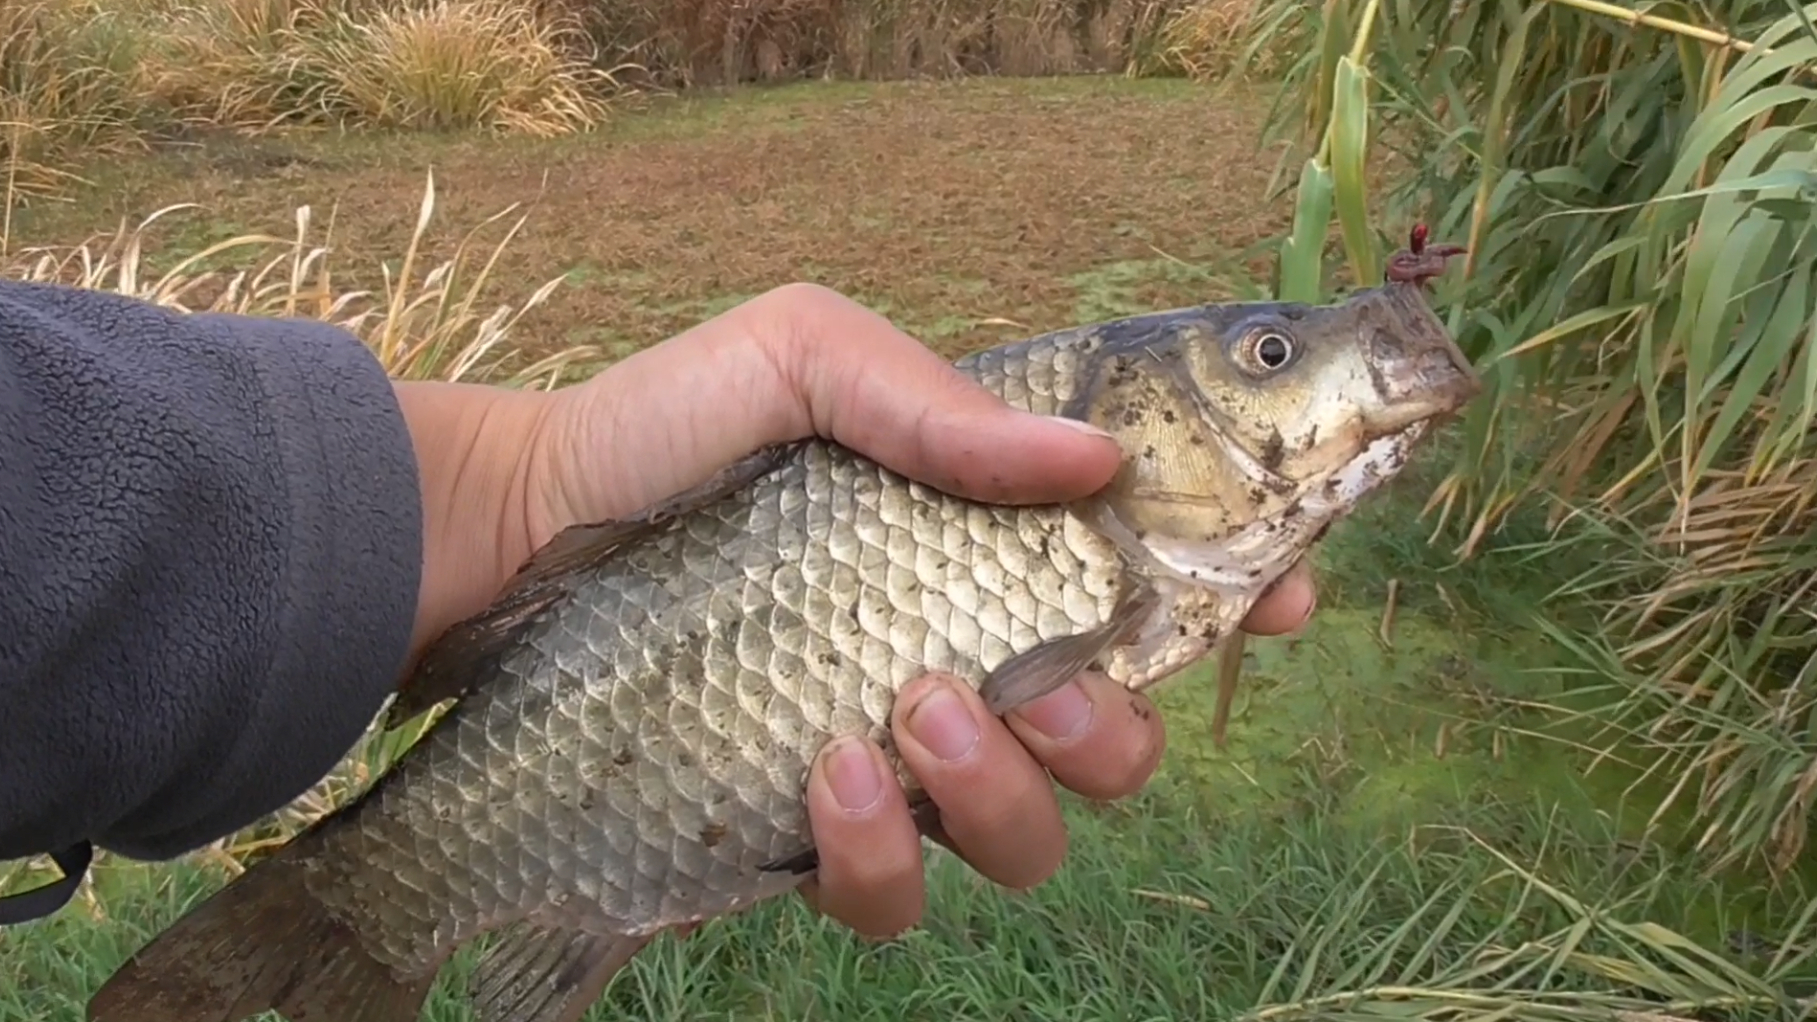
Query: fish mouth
[(1418, 382), (1418, 371), (1423, 407)]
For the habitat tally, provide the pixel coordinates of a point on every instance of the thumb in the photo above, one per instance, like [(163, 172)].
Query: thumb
[(855, 378), (797, 362)]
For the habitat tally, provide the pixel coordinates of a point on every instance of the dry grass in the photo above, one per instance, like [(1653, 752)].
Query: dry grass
[(498, 65), (85, 78), (69, 84), (1210, 40), (436, 327), (81, 78)]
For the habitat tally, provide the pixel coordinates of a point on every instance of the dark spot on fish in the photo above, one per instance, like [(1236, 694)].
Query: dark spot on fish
[(829, 659), (1122, 370), (1132, 417), (1211, 633), (1257, 495), (1312, 436), (683, 758), (1274, 451), (1197, 440), (1331, 487), (623, 758), (1169, 417), (1149, 451), (586, 801), (1181, 629), (1293, 510), (1136, 707), (1095, 665), (712, 834), (1377, 378)]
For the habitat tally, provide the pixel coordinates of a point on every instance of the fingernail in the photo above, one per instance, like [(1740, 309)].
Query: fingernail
[(1084, 427), (1063, 713), (942, 724), (852, 774)]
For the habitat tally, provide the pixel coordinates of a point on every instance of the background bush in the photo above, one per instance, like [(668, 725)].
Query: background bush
[(1635, 190)]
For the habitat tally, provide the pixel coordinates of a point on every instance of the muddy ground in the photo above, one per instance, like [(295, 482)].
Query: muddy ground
[(951, 207)]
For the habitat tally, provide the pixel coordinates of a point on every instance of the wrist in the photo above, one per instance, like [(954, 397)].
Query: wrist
[(477, 450)]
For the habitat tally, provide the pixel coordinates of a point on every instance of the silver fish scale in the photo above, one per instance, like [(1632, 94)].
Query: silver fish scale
[(646, 746)]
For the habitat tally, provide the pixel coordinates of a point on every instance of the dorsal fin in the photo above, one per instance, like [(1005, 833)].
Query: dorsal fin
[(461, 658)]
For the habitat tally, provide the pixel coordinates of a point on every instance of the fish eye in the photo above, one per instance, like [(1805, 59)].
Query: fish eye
[(1267, 351)]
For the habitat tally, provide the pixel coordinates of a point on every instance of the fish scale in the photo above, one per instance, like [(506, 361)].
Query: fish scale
[(636, 716), (663, 777)]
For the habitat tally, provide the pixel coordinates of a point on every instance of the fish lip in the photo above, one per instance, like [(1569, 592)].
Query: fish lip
[(1422, 376), (1441, 402)]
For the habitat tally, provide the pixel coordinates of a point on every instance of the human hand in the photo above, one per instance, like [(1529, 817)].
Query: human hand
[(504, 471)]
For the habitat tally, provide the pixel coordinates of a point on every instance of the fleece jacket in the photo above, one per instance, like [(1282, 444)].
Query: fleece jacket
[(210, 548)]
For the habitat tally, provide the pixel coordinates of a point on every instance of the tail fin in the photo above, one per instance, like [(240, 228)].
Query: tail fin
[(260, 944)]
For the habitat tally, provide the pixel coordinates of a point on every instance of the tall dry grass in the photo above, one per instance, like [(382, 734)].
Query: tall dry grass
[(722, 42), (86, 78)]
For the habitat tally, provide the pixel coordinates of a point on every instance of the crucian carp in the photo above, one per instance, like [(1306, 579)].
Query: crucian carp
[(634, 717)]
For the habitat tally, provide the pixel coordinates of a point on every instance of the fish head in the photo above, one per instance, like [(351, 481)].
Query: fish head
[(1247, 428)]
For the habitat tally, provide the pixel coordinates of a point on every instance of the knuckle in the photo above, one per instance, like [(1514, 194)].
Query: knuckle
[(798, 297), (1032, 865), (863, 877), (867, 860)]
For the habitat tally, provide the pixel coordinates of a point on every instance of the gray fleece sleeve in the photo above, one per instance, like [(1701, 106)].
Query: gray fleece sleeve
[(210, 546)]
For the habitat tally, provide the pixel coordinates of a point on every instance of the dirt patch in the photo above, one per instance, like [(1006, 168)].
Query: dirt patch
[(943, 205)]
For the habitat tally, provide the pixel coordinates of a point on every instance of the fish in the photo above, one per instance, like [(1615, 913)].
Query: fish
[(628, 728)]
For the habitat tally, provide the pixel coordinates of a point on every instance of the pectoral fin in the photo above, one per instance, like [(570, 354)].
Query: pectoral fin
[(1230, 671), (1028, 676)]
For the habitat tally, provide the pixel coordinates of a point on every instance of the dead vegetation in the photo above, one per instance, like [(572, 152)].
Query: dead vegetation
[(81, 79)]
